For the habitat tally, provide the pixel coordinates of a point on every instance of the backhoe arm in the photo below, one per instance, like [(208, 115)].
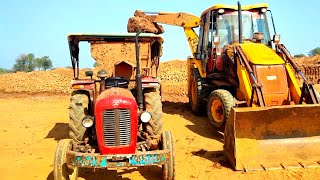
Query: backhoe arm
[(308, 90), (176, 19), (147, 22)]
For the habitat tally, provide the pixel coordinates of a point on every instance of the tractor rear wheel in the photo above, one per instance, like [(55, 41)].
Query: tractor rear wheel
[(218, 108), (79, 103), (197, 93), (168, 168), (61, 171), (153, 105)]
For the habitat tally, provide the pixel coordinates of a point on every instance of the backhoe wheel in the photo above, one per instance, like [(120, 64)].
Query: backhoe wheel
[(168, 168), (153, 105), (61, 170), (79, 103), (218, 108), (197, 93)]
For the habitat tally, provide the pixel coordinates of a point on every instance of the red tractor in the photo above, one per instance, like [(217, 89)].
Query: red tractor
[(115, 119)]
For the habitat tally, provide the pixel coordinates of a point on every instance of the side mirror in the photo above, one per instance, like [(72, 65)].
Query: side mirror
[(276, 38), (89, 73), (102, 74)]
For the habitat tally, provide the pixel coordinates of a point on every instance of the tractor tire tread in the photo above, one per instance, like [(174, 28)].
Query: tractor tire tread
[(79, 104), (153, 105)]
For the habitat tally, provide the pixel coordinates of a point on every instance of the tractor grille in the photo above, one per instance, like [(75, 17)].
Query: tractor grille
[(116, 127)]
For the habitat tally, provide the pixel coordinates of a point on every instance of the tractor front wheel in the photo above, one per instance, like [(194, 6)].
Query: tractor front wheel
[(61, 170), (168, 168)]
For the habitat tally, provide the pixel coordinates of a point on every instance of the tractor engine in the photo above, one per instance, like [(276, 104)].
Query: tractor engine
[(116, 118)]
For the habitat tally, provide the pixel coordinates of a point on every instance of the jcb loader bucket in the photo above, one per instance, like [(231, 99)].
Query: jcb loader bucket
[(273, 137)]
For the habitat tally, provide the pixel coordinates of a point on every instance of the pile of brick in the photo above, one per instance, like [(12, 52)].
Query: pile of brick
[(310, 66), (173, 71), (57, 81)]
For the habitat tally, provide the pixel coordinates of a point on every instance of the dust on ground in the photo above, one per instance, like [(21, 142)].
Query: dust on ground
[(33, 120), (32, 125)]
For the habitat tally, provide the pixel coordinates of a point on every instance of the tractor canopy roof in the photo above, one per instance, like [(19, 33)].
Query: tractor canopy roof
[(75, 38), (235, 7)]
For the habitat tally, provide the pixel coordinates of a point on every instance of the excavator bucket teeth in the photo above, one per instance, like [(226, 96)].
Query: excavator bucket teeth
[(280, 137)]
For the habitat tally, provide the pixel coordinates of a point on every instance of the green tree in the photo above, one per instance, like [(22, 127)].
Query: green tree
[(39, 63), (3, 70), (28, 62), (96, 64), (25, 62), (315, 51), (299, 55), (46, 63)]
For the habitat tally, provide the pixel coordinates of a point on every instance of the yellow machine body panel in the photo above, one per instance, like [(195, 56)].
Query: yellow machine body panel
[(244, 91), (295, 91), (279, 137), (261, 54)]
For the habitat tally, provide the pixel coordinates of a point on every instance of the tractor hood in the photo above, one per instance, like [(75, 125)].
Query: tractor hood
[(260, 54), (116, 121)]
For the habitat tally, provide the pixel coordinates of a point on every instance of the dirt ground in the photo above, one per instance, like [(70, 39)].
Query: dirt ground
[(31, 126)]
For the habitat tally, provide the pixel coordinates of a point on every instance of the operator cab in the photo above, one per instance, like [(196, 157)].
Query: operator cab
[(219, 30), (225, 25)]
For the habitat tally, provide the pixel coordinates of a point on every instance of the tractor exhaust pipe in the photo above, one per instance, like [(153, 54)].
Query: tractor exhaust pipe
[(240, 22), (138, 75)]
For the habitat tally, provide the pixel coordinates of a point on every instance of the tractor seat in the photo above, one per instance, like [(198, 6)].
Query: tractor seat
[(117, 82)]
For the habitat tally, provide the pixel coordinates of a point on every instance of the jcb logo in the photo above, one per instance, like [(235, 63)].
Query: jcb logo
[(194, 43)]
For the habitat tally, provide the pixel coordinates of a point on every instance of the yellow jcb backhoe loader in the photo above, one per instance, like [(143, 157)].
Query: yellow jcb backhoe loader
[(243, 77)]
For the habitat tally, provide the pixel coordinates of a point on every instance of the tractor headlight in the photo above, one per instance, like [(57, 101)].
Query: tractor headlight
[(87, 122), (145, 117)]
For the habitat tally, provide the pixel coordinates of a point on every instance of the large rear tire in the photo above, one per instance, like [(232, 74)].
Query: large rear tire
[(79, 103), (168, 169), (61, 171), (197, 93), (153, 105), (218, 107)]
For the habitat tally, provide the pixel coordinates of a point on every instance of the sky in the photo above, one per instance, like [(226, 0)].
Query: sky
[(41, 27)]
